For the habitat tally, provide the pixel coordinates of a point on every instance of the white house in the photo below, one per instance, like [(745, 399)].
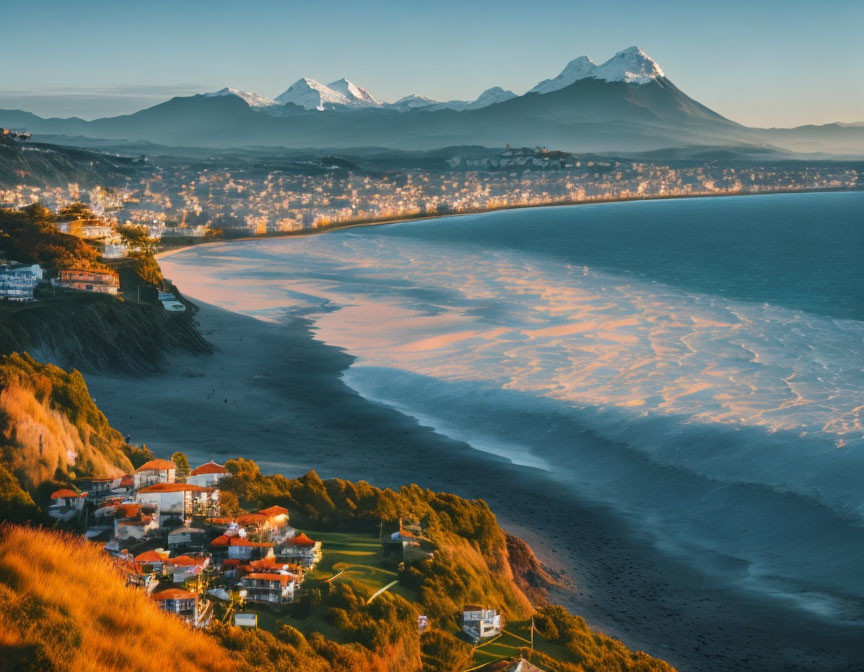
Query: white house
[(186, 536), (18, 281), (154, 471), (300, 550), (207, 475), (134, 529), (66, 504), (242, 549), (187, 567), (177, 501), (186, 605), (479, 623), (271, 588)]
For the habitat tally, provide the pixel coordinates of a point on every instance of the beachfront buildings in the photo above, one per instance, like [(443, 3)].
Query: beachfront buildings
[(86, 280), (177, 501), (18, 281), (207, 475), (480, 623), (155, 471)]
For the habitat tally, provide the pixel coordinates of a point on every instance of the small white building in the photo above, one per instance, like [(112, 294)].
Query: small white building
[(185, 536), (66, 504), (245, 620), (18, 281), (270, 588), (207, 475), (480, 623), (300, 550), (187, 567), (177, 501), (154, 471)]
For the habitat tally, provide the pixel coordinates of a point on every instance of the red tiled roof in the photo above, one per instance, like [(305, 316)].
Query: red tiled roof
[(267, 563), (273, 511), (221, 540), (128, 510), (186, 561), (151, 556), (252, 519), (230, 562), (174, 594), (64, 493), (127, 480), (173, 487), (209, 468), (301, 540), (156, 465), (219, 521)]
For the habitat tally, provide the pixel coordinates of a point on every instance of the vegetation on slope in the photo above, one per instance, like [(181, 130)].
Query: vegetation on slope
[(50, 431), (64, 606), (93, 332), (471, 564)]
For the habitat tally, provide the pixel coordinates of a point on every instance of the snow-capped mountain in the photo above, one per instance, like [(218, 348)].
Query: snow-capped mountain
[(489, 97), (578, 68), (354, 95), (413, 101), (313, 95), (631, 65), (252, 99)]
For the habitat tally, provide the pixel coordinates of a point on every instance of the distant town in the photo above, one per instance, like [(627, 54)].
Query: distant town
[(229, 196)]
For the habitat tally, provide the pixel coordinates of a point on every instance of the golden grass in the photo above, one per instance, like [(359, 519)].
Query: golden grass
[(63, 606)]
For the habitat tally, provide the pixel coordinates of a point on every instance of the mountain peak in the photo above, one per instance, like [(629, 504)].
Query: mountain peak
[(630, 65), (579, 68), (252, 99), (311, 94), (354, 94)]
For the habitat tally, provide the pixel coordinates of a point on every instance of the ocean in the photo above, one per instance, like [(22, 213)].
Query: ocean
[(695, 365)]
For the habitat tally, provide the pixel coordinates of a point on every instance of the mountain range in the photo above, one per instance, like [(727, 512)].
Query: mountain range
[(626, 104)]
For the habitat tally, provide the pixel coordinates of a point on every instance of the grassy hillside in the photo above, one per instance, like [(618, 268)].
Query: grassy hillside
[(473, 562), (50, 430), (63, 606)]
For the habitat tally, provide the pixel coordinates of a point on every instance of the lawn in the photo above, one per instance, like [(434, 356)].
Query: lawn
[(516, 636), (355, 558)]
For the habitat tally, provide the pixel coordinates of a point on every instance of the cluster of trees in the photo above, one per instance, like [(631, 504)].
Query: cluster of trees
[(30, 235)]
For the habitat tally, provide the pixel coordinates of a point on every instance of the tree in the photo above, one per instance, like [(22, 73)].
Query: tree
[(182, 463)]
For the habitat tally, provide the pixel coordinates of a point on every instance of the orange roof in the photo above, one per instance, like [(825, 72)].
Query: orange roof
[(128, 510), (64, 493), (127, 480), (156, 465), (237, 541), (219, 521), (221, 540), (151, 556), (186, 561), (252, 519), (267, 563), (174, 594), (209, 468), (281, 578), (301, 540), (173, 487), (230, 562), (273, 511)]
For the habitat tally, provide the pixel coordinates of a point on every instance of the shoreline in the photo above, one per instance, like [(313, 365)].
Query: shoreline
[(282, 402), (169, 250)]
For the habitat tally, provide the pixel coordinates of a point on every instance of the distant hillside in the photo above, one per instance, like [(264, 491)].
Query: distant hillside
[(63, 606), (589, 115), (45, 165)]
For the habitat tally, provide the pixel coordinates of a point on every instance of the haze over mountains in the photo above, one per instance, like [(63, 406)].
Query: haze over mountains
[(625, 104)]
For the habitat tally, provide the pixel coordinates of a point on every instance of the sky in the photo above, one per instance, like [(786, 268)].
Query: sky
[(760, 62)]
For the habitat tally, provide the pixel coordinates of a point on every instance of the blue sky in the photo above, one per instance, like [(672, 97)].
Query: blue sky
[(762, 62)]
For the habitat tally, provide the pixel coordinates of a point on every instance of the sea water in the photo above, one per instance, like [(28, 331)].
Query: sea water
[(698, 365)]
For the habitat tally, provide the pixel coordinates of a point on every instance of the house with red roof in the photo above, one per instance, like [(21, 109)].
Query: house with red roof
[(185, 604), (207, 475), (176, 501), (300, 550), (154, 471), (270, 587), (155, 560), (185, 567), (66, 504), (242, 548)]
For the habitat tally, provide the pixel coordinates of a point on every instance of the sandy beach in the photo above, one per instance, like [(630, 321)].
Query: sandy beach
[(274, 394)]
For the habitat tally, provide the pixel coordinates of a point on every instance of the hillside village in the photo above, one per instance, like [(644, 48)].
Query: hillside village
[(169, 536)]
